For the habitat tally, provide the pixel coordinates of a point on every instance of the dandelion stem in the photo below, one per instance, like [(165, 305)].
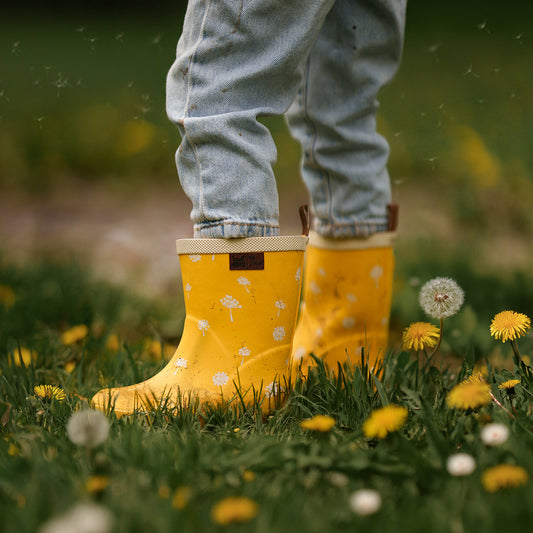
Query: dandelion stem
[(516, 354), (496, 401), (440, 340)]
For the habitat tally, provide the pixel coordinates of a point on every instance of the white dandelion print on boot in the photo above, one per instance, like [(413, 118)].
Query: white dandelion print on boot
[(348, 322), (195, 258), (220, 378), (203, 325), (298, 275), (376, 273), (188, 289), (280, 304), (180, 363), (322, 272), (299, 353), (351, 298), (314, 288), (244, 282), (231, 303), (245, 352), (272, 388), (279, 333)]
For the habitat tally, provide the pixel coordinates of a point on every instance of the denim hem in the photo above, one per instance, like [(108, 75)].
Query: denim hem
[(234, 230), (350, 230)]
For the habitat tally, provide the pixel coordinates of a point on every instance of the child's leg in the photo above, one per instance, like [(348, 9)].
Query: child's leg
[(236, 61), (334, 115)]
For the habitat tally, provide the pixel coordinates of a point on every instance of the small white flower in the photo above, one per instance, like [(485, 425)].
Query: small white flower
[(365, 502), (195, 258), (376, 273), (88, 428), (279, 333), (441, 297), (180, 362), (348, 322), (83, 518), (494, 434), (280, 304), (203, 325), (245, 352), (460, 464), (220, 378)]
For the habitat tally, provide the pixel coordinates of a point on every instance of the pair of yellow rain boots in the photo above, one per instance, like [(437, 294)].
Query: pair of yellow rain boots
[(240, 340)]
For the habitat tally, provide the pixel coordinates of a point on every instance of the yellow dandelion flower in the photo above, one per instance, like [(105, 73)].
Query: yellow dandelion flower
[(234, 509), (509, 385), (24, 356), (504, 477), (248, 475), (70, 366), (181, 497), (476, 377), (383, 421), (163, 492), (12, 450), (49, 392), (420, 335), (320, 423), (112, 343), (74, 334), (96, 484), (7, 296), (469, 395), (509, 325)]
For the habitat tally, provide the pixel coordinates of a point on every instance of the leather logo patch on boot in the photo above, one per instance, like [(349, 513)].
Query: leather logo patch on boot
[(247, 261)]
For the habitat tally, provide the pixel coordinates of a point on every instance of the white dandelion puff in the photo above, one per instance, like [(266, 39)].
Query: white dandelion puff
[(83, 518), (245, 352), (280, 304), (231, 303), (179, 363), (195, 258), (279, 333), (494, 434), (220, 378), (203, 325), (376, 273), (460, 464), (88, 428), (441, 297), (365, 502), (244, 282)]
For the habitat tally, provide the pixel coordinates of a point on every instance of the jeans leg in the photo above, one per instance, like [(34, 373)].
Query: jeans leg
[(334, 115), (236, 61)]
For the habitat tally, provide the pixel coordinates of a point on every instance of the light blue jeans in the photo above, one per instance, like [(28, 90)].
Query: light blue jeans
[(322, 62)]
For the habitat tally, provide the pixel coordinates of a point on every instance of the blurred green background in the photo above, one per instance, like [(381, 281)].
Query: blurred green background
[(82, 109)]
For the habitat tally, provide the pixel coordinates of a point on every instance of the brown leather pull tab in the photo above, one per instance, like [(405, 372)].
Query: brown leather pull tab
[(392, 213), (304, 217)]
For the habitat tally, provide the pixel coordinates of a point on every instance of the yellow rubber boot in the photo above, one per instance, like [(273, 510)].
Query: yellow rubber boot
[(346, 301), (241, 305)]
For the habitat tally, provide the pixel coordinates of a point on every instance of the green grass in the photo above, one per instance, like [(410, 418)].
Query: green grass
[(302, 480)]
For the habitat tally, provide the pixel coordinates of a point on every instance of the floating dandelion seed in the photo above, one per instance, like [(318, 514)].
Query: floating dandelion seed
[(482, 26), (419, 336), (365, 502), (441, 297), (504, 477), (88, 428), (460, 464)]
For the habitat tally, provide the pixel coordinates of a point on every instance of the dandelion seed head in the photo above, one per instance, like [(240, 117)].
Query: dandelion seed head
[(494, 434), (88, 428), (365, 502), (460, 464), (441, 297)]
